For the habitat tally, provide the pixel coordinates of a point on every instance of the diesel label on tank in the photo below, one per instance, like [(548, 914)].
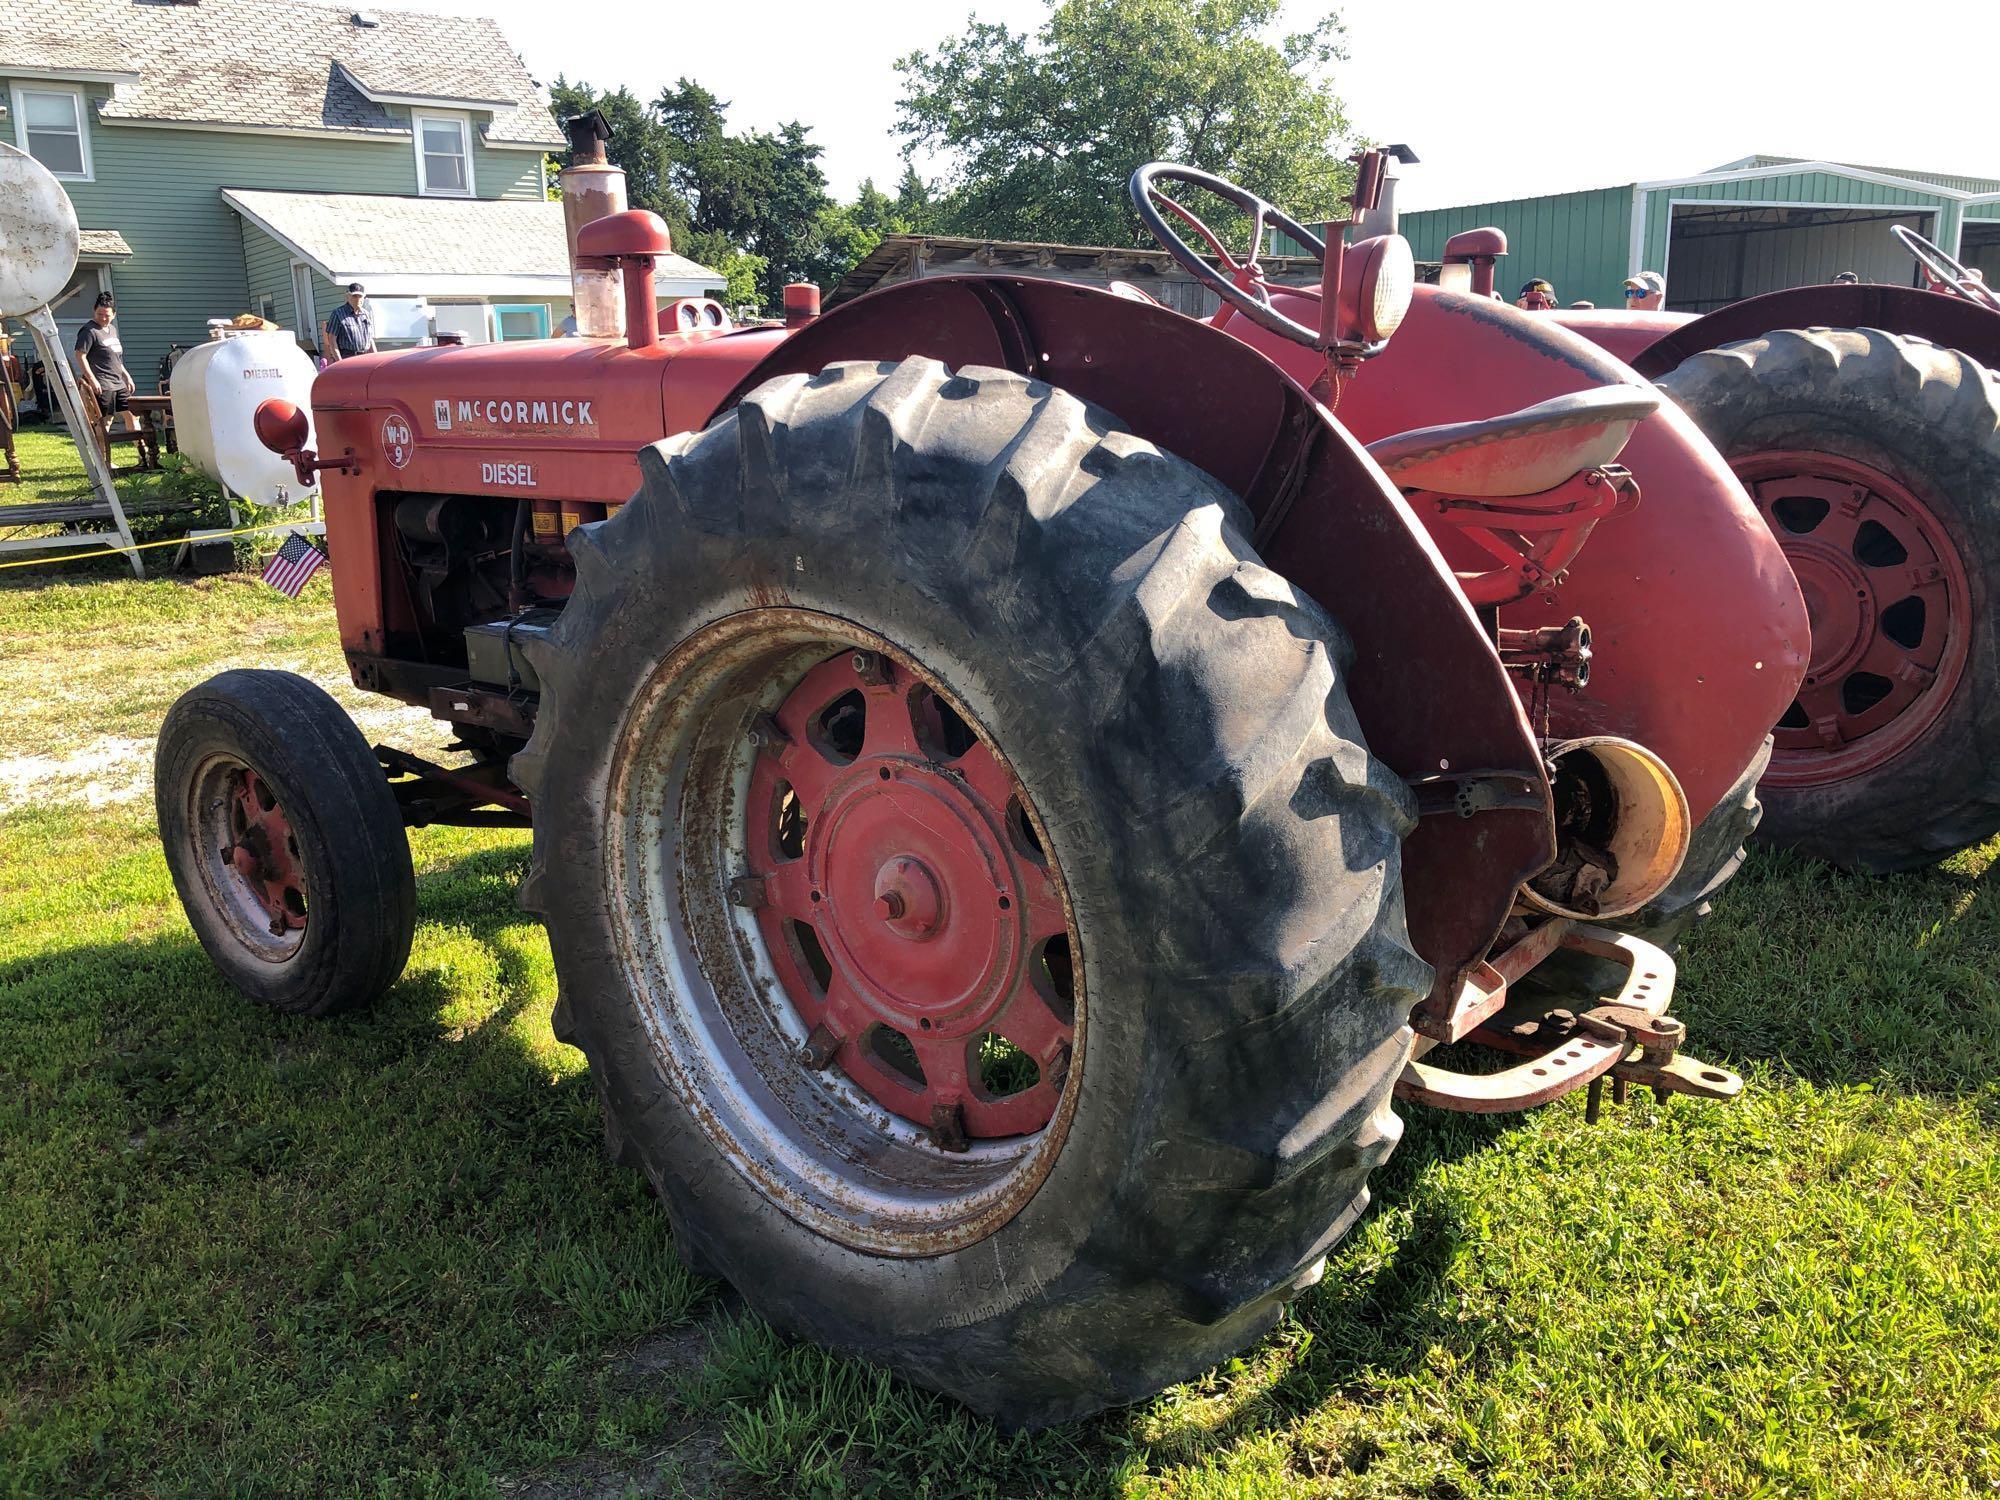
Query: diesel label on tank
[(499, 416), (521, 476)]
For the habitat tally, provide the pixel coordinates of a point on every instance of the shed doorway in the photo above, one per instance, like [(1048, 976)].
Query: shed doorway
[(1979, 247), (1720, 252)]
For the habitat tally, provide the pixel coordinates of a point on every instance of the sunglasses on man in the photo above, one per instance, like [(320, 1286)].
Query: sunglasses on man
[(1635, 291)]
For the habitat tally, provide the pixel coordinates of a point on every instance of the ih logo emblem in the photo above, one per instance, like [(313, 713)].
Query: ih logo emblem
[(398, 440), (441, 411)]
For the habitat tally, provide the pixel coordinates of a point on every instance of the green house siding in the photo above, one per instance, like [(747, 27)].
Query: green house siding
[(1575, 241), (191, 257), (267, 270), (506, 174)]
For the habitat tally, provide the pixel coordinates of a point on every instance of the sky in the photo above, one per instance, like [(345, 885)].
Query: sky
[(1572, 95)]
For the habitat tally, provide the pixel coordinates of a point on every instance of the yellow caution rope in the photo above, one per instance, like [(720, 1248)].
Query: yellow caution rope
[(172, 541)]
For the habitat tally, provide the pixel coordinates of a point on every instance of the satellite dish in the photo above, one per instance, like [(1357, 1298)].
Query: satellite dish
[(38, 238)]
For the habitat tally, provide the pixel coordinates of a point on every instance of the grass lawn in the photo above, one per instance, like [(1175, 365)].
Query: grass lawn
[(242, 1254)]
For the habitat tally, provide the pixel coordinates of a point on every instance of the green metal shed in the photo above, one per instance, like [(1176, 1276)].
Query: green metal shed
[(1753, 225)]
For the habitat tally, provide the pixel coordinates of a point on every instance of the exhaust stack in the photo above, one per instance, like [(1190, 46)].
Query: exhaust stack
[(1381, 218), (592, 189)]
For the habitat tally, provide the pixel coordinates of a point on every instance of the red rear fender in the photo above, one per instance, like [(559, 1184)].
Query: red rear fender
[(1701, 636), (1948, 321)]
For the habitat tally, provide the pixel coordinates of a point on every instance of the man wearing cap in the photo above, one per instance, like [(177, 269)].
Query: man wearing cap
[(1646, 292), (1537, 296), (350, 328)]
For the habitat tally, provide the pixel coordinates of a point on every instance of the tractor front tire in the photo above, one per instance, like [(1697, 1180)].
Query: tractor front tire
[(1875, 460), (909, 719), (284, 842)]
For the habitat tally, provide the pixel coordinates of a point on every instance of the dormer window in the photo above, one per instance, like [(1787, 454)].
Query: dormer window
[(444, 155), (49, 126)]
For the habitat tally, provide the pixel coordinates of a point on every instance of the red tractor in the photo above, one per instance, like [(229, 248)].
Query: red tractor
[(1865, 423), (1018, 787)]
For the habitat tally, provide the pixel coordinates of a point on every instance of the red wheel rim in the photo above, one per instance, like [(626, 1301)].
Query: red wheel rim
[(1889, 602), (248, 854), (711, 865), (915, 924)]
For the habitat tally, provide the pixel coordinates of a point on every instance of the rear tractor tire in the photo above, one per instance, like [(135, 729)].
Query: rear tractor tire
[(969, 885), (1875, 460), (284, 842)]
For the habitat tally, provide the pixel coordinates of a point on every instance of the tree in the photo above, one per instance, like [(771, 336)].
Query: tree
[(848, 232), (637, 143), (760, 193), (915, 205), (1042, 130)]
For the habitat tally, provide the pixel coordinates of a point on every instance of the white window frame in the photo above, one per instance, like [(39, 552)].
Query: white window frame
[(78, 102), (303, 312), (463, 125)]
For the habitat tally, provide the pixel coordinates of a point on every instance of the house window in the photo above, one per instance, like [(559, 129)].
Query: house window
[(444, 155), (521, 320), (48, 125)]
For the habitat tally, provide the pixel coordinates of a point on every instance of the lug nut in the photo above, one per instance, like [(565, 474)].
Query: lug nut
[(1059, 1067), (871, 669), (765, 735), (948, 1126), (820, 1047), (747, 891), (890, 905)]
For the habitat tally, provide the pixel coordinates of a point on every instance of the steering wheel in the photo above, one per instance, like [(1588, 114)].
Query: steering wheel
[(1244, 288), (1943, 271)]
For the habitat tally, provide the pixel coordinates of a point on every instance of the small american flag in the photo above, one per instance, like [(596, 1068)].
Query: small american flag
[(293, 564)]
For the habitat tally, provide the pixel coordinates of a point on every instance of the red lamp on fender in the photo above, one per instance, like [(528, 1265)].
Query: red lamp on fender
[(283, 428)]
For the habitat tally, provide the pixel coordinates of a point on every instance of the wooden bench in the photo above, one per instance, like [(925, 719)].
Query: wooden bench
[(141, 436)]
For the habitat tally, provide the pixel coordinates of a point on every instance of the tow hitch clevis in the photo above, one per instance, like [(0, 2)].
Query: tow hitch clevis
[(1627, 1037)]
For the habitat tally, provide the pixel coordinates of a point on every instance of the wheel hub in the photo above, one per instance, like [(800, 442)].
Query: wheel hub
[(1840, 602), (264, 854), (907, 898), (907, 906), (1888, 599), (916, 892)]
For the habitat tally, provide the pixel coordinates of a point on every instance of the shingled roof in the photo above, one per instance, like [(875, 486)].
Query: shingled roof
[(274, 64), (435, 244)]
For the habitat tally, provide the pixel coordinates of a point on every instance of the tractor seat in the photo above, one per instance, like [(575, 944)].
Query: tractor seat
[(1523, 453)]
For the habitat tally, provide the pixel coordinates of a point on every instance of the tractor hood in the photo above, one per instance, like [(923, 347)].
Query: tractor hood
[(561, 418)]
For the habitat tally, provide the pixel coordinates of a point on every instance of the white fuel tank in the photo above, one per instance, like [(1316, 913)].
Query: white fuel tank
[(217, 387)]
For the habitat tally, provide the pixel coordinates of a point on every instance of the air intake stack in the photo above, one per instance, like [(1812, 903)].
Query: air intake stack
[(592, 189)]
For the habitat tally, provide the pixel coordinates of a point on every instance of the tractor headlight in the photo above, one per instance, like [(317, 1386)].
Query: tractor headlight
[(1384, 281)]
